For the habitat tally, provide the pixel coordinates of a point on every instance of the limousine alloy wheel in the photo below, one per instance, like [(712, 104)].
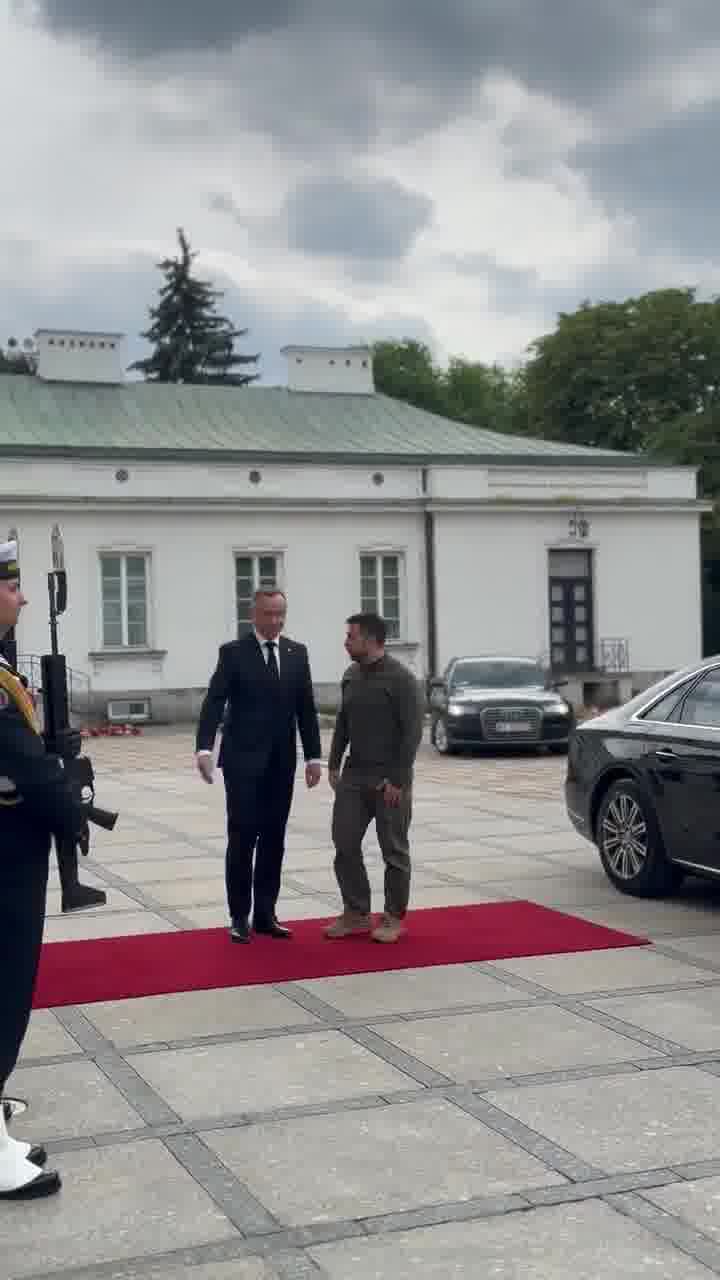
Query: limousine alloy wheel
[(630, 843)]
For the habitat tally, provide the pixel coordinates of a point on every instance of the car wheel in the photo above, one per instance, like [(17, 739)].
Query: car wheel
[(440, 739), (630, 844)]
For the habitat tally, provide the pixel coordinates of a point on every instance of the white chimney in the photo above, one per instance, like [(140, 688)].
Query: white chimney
[(343, 370), (79, 355)]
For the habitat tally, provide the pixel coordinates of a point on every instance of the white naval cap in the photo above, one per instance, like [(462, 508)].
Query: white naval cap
[(9, 567)]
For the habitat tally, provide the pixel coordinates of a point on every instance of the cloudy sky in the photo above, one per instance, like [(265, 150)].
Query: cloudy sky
[(454, 170)]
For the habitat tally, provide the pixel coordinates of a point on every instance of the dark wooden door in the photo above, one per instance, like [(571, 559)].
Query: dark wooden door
[(571, 621)]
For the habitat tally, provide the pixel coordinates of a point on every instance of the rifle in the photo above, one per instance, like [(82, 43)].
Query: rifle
[(64, 741)]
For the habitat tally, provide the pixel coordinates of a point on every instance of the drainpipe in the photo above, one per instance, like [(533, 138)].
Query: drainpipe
[(430, 583)]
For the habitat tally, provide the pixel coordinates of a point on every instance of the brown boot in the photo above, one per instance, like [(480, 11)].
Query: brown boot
[(350, 922), (389, 929)]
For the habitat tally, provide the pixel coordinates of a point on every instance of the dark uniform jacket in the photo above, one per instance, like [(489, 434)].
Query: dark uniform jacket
[(34, 793)]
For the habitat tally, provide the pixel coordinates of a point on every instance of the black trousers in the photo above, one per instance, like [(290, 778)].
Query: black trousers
[(258, 807), (24, 859)]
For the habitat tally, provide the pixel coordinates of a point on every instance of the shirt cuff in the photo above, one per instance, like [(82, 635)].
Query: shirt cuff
[(314, 762), (204, 752)]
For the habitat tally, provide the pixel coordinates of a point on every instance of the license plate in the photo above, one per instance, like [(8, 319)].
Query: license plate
[(513, 726)]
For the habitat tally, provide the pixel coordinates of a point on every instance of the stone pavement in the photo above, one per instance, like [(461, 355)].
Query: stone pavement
[(535, 1118)]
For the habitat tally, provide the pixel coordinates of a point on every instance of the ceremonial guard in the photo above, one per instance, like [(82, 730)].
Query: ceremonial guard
[(36, 803)]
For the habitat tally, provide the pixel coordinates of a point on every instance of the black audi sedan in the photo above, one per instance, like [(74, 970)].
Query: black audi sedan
[(497, 702), (643, 783)]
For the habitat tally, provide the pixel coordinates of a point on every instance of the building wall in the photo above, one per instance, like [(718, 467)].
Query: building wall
[(492, 582), (192, 589), (491, 561)]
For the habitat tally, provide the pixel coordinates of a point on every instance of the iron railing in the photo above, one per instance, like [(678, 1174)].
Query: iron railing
[(614, 655), (28, 664)]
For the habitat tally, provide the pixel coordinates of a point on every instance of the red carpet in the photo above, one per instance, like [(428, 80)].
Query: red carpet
[(203, 959)]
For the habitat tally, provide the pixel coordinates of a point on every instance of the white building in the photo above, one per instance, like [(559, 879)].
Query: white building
[(175, 502)]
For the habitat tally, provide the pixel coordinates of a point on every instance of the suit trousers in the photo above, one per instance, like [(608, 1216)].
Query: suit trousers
[(258, 807), (24, 860), (357, 804)]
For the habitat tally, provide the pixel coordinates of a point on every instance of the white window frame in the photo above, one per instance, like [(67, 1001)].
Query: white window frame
[(255, 555), (123, 554), (378, 554)]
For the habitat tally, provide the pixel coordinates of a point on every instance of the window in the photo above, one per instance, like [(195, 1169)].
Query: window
[(263, 569), (664, 710), (124, 585), (702, 705), (380, 589)]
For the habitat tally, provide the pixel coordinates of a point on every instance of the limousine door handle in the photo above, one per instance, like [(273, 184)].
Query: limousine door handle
[(666, 753)]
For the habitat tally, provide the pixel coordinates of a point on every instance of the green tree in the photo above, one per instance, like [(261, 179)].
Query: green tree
[(479, 394), (192, 342), (466, 391), (406, 371), (613, 374)]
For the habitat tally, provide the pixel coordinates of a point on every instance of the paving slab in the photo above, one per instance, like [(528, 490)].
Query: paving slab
[(647, 1120), (117, 1202), (655, 919), (46, 1038), (696, 1203), (364, 995), (475, 1046), (575, 1242), (690, 1018), (585, 888), (191, 1014), (361, 1163), (617, 968), (70, 1100), (115, 924), (262, 1075)]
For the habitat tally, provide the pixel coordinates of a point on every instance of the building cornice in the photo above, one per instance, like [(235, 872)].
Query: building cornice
[(20, 502), (220, 457)]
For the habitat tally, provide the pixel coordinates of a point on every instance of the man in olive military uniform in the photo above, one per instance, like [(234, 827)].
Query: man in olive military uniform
[(381, 720), (36, 803)]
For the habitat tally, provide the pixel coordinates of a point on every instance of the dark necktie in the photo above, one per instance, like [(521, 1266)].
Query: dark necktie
[(272, 660)]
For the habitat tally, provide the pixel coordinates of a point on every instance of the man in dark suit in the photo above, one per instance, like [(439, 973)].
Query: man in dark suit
[(264, 681)]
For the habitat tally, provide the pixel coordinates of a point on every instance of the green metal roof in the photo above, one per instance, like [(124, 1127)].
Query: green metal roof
[(149, 420)]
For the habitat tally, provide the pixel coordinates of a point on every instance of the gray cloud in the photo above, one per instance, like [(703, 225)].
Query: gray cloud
[(341, 217), (145, 28), (577, 49), (666, 178)]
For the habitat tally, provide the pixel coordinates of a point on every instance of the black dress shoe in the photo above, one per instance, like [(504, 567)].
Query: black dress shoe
[(272, 929), (81, 897), (46, 1184), (240, 931)]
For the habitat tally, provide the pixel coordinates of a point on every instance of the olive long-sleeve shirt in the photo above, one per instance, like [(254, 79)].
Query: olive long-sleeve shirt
[(381, 720)]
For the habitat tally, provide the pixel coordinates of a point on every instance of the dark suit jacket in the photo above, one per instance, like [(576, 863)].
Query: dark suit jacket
[(263, 716)]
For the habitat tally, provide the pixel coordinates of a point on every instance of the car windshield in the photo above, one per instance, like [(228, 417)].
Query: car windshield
[(490, 674)]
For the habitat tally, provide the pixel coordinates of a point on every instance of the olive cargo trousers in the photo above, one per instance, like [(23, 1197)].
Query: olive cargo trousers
[(358, 802)]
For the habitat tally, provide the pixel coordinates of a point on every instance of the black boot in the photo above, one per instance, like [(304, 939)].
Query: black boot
[(75, 896)]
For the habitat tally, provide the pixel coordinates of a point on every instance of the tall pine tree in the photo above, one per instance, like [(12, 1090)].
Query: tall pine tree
[(192, 342)]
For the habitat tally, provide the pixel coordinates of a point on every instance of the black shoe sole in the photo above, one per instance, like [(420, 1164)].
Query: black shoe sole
[(83, 901), (46, 1184)]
